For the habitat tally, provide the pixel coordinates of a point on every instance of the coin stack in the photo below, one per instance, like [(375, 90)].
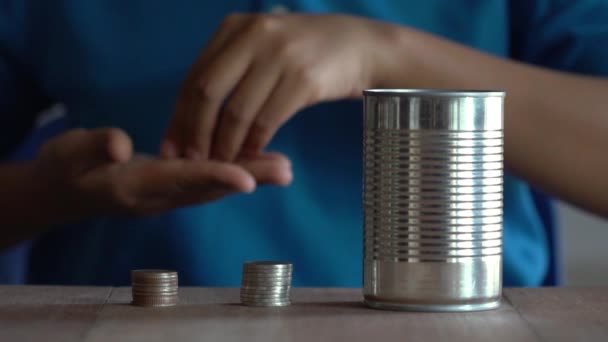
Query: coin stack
[(266, 283), (154, 288)]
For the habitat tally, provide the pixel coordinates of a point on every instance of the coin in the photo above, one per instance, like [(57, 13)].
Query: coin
[(154, 288), (266, 283)]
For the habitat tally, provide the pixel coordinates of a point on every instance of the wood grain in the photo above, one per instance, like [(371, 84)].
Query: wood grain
[(48, 313), (564, 314), (316, 315)]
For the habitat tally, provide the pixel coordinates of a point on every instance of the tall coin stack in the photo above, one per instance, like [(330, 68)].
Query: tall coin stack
[(154, 288), (266, 283)]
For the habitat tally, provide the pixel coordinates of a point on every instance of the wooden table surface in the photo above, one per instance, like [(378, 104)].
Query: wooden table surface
[(48, 313)]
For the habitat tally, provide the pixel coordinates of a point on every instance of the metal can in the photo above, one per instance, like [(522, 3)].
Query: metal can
[(432, 199)]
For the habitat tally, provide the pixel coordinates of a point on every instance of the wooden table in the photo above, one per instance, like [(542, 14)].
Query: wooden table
[(48, 313)]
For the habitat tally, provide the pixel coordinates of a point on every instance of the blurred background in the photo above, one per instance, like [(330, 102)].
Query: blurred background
[(583, 236), (584, 241)]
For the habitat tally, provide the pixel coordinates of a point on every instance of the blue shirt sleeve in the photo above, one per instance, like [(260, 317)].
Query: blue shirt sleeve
[(21, 98), (568, 35)]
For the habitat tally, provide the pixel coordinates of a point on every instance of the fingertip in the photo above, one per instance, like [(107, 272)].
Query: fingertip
[(286, 163), (285, 173), (168, 149), (233, 176), (285, 178), (248, 185), (119, 145), (193, 154)]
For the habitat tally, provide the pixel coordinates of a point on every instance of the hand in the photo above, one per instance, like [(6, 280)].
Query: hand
[(94, 172), (258, 70)]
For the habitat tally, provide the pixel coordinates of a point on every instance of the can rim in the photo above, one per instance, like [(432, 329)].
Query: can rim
[(433, 92)]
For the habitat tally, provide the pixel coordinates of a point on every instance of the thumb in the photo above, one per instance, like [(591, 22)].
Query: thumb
[(91, 148)]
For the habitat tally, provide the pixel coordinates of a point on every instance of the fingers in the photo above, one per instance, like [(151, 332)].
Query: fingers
[(247, 83), (269, 168), (175, 139), (225, 90), (119, 145), (288, 96), (272, 168), (184, 176), (146, 185), (91, 148), (225, 31), (242, 107), (213, 87)]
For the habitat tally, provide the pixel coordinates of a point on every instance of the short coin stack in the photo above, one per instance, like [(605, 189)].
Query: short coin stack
[(266, 283), (154, 288)]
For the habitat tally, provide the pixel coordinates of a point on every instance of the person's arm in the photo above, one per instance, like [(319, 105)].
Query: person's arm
[(258, 71), (82, 174), (27, 208), (23, 205), (556, 124)]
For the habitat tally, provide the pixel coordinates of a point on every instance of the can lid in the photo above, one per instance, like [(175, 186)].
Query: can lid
[(433, 92)]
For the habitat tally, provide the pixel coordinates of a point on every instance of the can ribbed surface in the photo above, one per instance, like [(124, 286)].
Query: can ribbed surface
[(432, 199)]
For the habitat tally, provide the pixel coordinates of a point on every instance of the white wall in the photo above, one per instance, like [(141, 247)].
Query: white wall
[(585, 242)]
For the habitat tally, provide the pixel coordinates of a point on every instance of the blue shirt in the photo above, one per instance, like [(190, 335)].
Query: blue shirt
[(119, 63)]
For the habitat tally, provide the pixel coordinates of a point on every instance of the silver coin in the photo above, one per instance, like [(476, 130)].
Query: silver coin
[(154, 289), (266, 280), (157, 297), (153, 274), (265, 293), (154, 281), (265, 300), (256, 290), (265, 283), (268, 269), (267, 304), (147, 294), (258, 293), (152, 284), (265, 296), (267, 263), (277, 303), (168, 301), (154, 301), (264, 271), (155, 305), (267, 274), (266, 286)]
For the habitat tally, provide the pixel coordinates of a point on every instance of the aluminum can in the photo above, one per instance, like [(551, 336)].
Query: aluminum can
[(433, 199)]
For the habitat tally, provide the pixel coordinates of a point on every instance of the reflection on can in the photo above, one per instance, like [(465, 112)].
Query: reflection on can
[(432, 199)]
